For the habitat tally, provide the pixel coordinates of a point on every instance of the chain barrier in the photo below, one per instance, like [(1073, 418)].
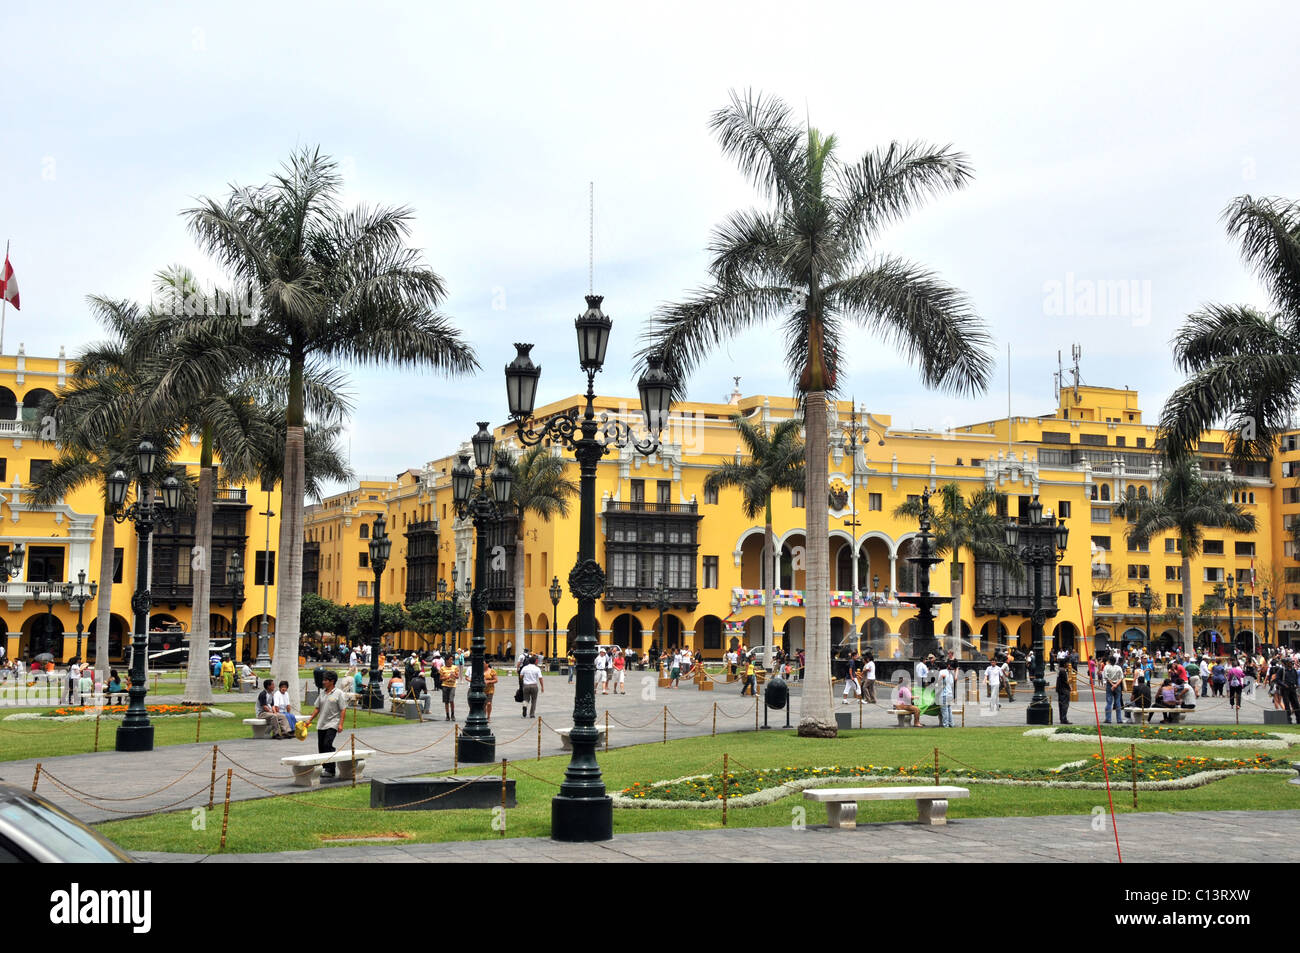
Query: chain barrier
[(45, 773), (366, 810), (113, 810), (274, 777), (437, 740), (727, 714), (684, 724), (653, 721), (514, 766)]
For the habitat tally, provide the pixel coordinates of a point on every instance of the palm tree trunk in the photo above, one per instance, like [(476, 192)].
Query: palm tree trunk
[(816, 714), (198, 687), (955, 577), (769, 587), (1187, 602), (521, 636), (104, 603), (288, 591)]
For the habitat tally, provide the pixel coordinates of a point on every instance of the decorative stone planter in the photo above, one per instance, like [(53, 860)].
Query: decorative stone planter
[(414, 794)]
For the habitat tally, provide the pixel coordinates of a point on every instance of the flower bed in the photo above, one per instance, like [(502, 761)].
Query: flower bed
[(751, 788), (1221, 737), (91, 712)]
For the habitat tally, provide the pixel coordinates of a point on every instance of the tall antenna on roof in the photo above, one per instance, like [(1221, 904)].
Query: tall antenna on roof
[(1076, 352)]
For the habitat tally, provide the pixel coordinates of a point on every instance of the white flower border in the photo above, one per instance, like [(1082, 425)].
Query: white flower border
[(91, 715), (1275, 740), (772, 795)]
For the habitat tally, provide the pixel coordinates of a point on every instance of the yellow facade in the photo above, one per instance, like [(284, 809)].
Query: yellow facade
[(64, 539), (1078, 460)]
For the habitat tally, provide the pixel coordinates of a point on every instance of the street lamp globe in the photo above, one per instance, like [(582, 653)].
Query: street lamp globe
[(462, 480), (521, 382), (117, 487), (146, 457), (656, 389), (593, 335)]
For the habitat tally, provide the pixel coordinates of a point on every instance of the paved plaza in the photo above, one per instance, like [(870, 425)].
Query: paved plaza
[(635, 718), (1237, 837)]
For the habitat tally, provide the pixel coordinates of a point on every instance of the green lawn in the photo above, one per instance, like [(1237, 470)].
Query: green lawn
[(47, 738), (303, 821)]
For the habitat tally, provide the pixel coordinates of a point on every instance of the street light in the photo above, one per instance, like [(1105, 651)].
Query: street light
[(135, 733), (235, 580), (556, 592), (583, 811), (1147, 601), (1266, 607), (853, 430), (474, 500), (78, 594), (381, 546), (455, 607), (1038, 543), (14, 561), (263, 659), (1232, 602), (49, 594)]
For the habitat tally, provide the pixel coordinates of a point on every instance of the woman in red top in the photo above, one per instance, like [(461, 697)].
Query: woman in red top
[(620, 665)]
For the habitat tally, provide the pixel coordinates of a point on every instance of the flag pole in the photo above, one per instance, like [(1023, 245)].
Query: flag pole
[(4, 301)]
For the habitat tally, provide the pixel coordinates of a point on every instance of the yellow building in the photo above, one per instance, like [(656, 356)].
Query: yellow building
[(657, 524), (65, 539)]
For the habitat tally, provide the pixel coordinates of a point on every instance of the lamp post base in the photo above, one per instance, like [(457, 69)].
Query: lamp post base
[(582, 820), (372, 699), (135, 738), (1038, 715), (472, 750)]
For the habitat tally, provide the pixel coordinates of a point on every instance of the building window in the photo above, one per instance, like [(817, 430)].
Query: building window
[(1173, 600), (1136, 547), (362, 589), (1138, 571), (264, 568), (710, 572), (4, 466), (1173, 546), (363, 560), (365, 530), (1063, 509), (1214, 574), (1213, 547), (664, 492), (1101, 542), (1067, 580), (45, 564), (874, 502), (638, 491), (1245, 549), (1133, 600), (38, 468), (117, 564), (1105, 493), (1101, 514), (1104, 599), (1173, 574), (710, 494), (796, 499)]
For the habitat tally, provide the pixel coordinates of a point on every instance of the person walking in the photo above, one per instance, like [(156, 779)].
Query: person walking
[(869, 678), (602, 672), (328, 717), (489, 687), (450, 675), (1063, 692), (1236, 681), (992, 683), (620, 666), (750, 683), (851, 676), (531, 676), (1291, 691), (227, 673), (947, 690)]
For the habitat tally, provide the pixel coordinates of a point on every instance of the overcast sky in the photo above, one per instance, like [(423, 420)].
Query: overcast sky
[(1106, 141)]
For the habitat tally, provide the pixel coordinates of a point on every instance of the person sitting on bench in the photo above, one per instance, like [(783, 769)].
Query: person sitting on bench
[(284, 706), (1186, 695), (903, 702), (1167, 697), (1140, 697)]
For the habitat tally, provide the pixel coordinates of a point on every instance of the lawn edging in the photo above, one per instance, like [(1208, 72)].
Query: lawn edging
[(1274, 741)]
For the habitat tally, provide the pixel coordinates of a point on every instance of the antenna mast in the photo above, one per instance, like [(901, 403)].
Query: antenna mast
[(591, 237)]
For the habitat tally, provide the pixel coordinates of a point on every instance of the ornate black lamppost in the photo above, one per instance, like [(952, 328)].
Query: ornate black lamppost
[(1038, 543), (455, 606), (381, 545), (582, 811), (235, 580), (1232, 603), (556, 592), (14, 561), (78, 594), (1265, 609), (135, 733), (1147, 600), (477, 744), (50, 593), (263, 635)]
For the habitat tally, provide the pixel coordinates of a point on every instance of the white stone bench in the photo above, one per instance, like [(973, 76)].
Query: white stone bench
[(1175, 714), (307, 767), (904, 717), (261, 728), (566, 743), (842, 803)]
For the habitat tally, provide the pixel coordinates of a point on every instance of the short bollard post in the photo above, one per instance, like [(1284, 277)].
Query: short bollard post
[(1133, 756), (354, 717), (502, 828), (225, 814), (756, 710), (198, 726), (665, 724), (97, 714), (714, 732), (963, 716), (724, 789), (354, 760), (539, 739), (212, 785), (606, 729), (859, 711), (455, 748), (36, 777), (936, 767)]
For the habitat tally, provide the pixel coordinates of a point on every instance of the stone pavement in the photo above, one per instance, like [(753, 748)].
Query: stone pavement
[(1234, 837), (407, 748)]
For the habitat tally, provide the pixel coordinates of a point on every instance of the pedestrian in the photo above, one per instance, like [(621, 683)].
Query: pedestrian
[(1063, 693), (801, 664), (531, 677), (572, 663), (750, 684), (1006, 679), (1291, 691), (449, 676), (869, 678), (227, 673), (1236, 681), (328, 717), (947, 691), (620, 665), (602, 672), (1113, 678), (489, 687), (675, 671), (285, 706), (851, 682), (992, 684)]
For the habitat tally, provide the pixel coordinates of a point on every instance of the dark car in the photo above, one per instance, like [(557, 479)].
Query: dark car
[(34, 831)]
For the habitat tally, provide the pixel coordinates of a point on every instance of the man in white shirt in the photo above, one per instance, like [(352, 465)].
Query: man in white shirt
[(922, 672), (869, 679), (530, 676), (330, 707), (283, 705), (993, 683), (1113, 678), (602, 672)]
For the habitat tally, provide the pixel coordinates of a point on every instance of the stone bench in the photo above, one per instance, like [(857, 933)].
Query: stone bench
[(904, 717), (261, 728), (566, 743), (307, 767), (842, 803), (1175, 714)]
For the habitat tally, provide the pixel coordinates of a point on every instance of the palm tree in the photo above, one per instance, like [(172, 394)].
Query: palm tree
[(970, 524), (1244, 364), (330, 285), (1186, 503), (773, 462), (540, 488), (805, 262)]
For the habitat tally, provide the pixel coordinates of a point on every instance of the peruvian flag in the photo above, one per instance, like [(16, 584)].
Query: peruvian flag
[(9, 285)]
